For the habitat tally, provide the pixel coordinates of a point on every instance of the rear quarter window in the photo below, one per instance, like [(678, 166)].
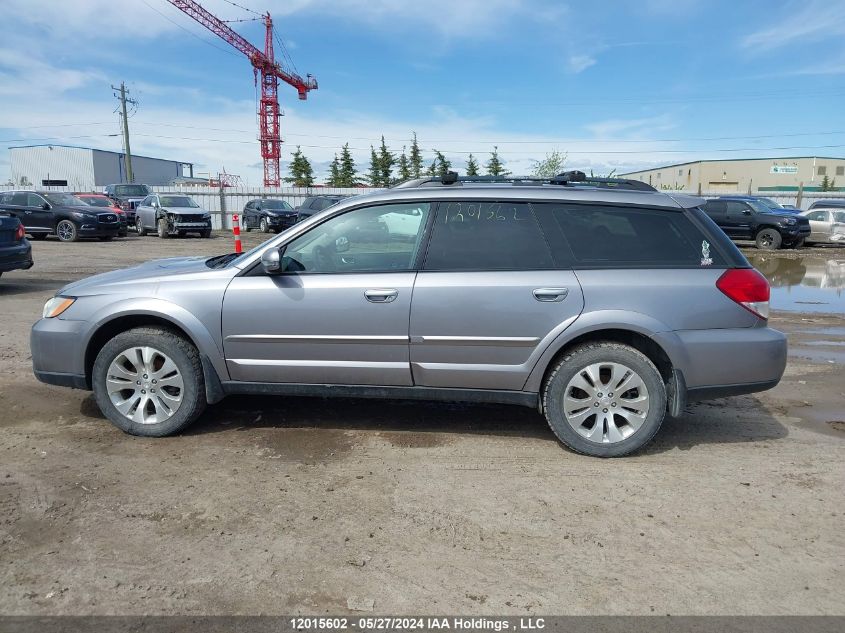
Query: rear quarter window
[(605, 236)]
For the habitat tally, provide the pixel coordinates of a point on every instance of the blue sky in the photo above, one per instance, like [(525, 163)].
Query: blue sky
[(618, 85)]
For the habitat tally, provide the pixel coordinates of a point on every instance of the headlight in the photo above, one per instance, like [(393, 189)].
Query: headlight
[(171, 217), (82, 216), (55, 306), (790, 221)]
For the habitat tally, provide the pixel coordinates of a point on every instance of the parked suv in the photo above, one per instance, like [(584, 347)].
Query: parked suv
[(127, 196), (46, 213), (171, 214), (15, 250), (603, 303), (747, 218), (268, 214)]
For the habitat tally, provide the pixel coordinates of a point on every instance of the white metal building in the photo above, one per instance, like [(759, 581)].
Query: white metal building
[(84, 168)]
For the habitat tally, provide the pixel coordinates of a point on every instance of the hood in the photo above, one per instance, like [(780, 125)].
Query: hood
[(185, 210), (129, 279)]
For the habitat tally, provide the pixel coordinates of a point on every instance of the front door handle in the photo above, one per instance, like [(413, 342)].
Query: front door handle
[(550, 294), (381, 295)]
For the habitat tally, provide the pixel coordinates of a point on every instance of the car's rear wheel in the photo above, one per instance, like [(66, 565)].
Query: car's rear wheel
[(139, 227), (768, 240), (163, 233), (66, 230), (604, 399), (149, 381)]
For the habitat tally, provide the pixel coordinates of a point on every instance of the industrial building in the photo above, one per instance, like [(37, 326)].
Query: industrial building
[(84, 168), (741, 175)]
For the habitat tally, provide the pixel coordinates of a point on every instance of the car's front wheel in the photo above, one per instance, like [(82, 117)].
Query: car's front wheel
[(768, 240), (67, 232), (163, 232), (149, 381), (139, 227), (265, 228), (604, 399)]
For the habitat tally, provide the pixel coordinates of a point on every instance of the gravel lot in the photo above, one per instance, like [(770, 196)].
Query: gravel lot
[(309, 506)]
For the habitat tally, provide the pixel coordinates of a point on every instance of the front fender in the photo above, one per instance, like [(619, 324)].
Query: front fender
[(609, 320), (205, 342)]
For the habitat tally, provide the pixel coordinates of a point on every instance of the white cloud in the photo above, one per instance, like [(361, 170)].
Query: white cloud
[(580, 63), (814, 21)]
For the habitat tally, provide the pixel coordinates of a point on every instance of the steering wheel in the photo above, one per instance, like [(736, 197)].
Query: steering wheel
[(323, 259)]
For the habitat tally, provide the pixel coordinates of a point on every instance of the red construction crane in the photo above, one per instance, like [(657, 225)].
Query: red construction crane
[(264, 64)]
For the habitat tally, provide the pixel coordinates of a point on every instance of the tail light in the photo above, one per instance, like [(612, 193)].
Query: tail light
[(748, 288), (20, 233)]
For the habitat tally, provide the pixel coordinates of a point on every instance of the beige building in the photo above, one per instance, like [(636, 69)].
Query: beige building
[(741, 174)]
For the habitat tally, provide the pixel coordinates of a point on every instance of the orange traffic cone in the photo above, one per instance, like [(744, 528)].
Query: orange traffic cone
[(236, 229)]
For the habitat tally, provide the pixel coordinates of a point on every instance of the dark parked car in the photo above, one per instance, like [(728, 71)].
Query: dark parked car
[(128, 196), (46, 213), (747, 218), (15, 251), (836, 203), (102, 201), (315, 204), (268, 214)]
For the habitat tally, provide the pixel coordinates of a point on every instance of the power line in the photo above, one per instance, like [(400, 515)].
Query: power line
[(235, 4), (201, 39)]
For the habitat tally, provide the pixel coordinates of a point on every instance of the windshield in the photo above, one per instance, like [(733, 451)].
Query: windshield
[(65, 200), (771, 203), (760, 206), (132, 190), (178, 201), (97, 202), (275, 204)]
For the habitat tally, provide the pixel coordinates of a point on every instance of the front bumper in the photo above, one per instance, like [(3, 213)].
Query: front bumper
[(16, 257), (98, 229), (281, 222), (58, 356), (724, 362)]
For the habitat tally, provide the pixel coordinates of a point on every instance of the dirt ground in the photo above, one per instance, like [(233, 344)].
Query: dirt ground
[(297, 505)]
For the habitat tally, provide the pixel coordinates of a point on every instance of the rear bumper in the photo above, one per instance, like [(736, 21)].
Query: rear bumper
[(727, 362), (16, 257)]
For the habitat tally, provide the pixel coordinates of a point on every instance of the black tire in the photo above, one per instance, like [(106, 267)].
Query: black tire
[(67, 231), (245, 223), (38, 236), (575, 361), (181, 352), (768, 240), (205, 234), (106, 238), (265, 228), (139, 227), (162, 228)]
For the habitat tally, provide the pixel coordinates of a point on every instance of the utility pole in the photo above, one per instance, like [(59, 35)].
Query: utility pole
[(125, 121)]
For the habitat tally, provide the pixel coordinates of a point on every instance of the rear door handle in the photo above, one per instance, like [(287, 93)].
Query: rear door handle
[(550, 294), (381, 295)]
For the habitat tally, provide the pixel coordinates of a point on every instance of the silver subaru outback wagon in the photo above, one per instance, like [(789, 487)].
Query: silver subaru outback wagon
[(605, 304)]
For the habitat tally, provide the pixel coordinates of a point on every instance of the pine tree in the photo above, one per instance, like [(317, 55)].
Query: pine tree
[(348, 178), (472, 166), (825, 185), (404, 167), (386, 160), (301, 173), (432, 169), (416, 158), (443, 164), (494, 166), (334, 173), (373, 176)]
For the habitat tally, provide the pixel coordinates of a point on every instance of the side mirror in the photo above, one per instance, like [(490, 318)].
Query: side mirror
[(746, 212), (271, 261), (155, 205), (341, 244), (45, 206)]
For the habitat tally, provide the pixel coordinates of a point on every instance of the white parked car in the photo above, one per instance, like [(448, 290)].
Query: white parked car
[(826, 225)]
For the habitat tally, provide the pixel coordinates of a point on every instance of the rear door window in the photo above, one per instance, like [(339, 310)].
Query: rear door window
[(487, 236), (716, 209), (604, 236)]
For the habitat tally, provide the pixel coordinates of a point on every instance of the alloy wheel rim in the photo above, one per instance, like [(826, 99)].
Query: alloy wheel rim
[(138, 225), (606, 402), (65, 230), (145, 385)]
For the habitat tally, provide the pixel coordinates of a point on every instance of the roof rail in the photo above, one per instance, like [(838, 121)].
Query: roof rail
[(566, 179)]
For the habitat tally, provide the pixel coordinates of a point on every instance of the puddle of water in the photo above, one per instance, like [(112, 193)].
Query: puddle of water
[(804, 284)]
